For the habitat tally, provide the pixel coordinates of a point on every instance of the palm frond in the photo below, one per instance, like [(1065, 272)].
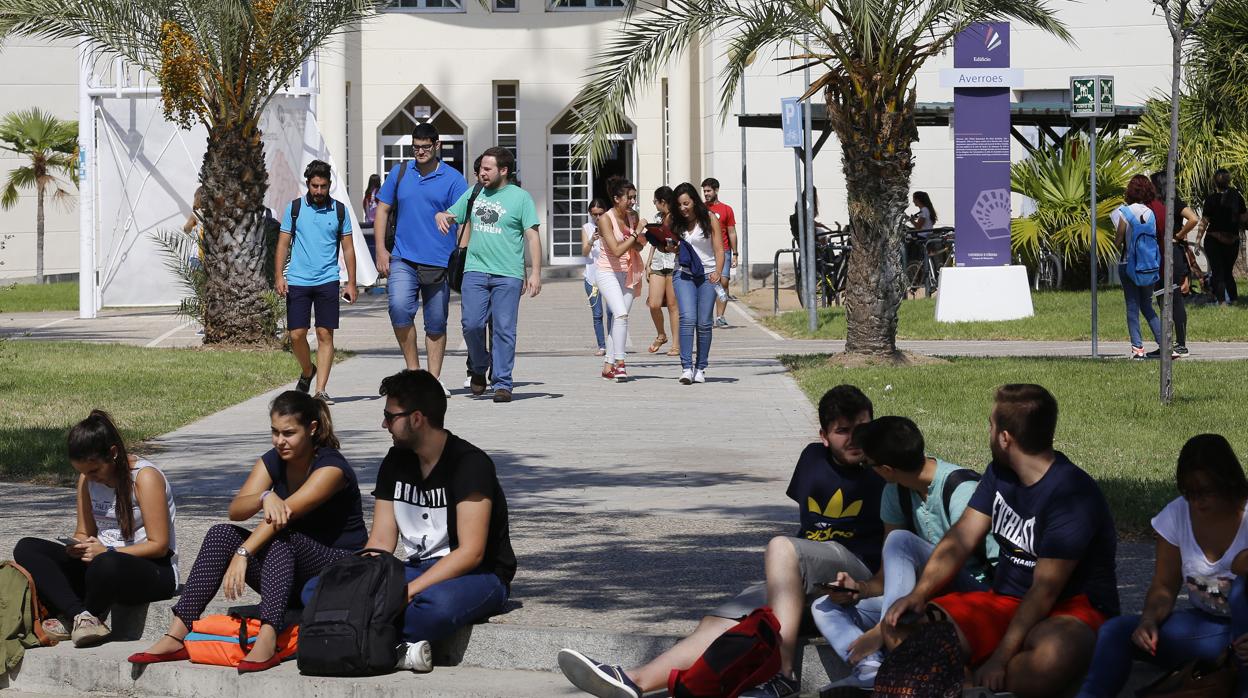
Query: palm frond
[(23, 177)]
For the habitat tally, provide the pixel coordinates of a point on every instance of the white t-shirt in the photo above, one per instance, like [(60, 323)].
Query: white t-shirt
[(923, 219), (104, 509), (1137, 210), (704, 246), (591, 276), (1208, 583)]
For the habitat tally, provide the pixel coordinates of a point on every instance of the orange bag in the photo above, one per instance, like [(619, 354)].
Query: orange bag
[(225, 640)]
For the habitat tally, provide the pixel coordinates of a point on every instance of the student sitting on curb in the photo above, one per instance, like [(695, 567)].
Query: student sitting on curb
[(1055, 582), (1202, 545), (126, 551), (840, 532), (935, 495), (440, 497), (312, 517)]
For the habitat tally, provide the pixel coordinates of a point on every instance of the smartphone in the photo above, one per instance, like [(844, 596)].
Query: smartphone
[(834, 587), (348, 300), (66, 541)]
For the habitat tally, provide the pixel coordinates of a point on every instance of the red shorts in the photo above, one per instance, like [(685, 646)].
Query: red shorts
[(984, 616)]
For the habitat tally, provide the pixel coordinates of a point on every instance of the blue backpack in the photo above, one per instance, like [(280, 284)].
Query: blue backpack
[(1142, 258)]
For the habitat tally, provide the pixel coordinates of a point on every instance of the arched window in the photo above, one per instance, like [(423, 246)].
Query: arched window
[(573, 184), (395, 139)]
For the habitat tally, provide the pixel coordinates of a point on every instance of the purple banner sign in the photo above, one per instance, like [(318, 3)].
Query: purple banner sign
[(981, 147)]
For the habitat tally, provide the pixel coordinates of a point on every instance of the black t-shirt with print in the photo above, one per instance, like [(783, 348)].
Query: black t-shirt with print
[(1063, 516), (425, 508), (339, 521), (838, 503)]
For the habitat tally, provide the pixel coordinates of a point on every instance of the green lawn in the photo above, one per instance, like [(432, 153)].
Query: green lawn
[(29, 298), (46, 387), (1059, 315), (1111, 422)]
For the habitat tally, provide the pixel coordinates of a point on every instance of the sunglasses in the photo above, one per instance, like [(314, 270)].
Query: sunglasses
[(423, 148), (387, 417)]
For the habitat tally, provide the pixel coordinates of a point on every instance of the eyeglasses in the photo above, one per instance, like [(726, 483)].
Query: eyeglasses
[(423, 148), (387, 417)]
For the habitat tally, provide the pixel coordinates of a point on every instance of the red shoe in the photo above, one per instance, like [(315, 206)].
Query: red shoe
[(246, 667), (150, 658), (621, 373), (608, 372)]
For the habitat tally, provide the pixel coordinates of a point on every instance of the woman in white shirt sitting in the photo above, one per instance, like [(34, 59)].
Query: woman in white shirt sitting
[(1202, 547), (123, 549)]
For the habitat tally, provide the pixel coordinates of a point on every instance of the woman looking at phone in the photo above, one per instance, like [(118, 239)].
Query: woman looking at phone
[(123, 549), (701, 258), (619, 270), (591, 249), (312, 517), (660, 268)]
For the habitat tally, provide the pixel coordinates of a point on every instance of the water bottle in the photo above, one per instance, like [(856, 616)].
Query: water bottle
[(720, 293)]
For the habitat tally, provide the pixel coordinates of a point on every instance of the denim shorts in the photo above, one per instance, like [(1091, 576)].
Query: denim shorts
[(300, 301), (727, 272), (409, 286)]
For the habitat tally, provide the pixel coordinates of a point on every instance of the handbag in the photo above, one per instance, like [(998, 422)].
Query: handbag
[(459, 255), (1199, 678)]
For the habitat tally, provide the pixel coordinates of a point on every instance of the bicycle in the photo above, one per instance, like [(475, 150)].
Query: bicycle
[(831, 267), (927, 251)]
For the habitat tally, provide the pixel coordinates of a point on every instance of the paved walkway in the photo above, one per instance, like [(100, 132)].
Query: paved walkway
[(623, 520)]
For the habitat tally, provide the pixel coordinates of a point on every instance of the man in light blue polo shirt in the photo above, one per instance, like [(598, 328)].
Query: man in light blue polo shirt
[(415, 192), (312, 234)]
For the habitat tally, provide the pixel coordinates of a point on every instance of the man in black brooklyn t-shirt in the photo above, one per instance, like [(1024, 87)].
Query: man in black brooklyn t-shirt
[(439, 498)]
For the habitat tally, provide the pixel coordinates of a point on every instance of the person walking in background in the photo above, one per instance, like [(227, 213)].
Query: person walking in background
[(1184, 220), (370, 201), (417, 267), (700, 258), (925, 217), (728, 227), (591, 248), (660, 267), (1224, 213), (310, 499), (313, 228), (503, 220), (1202, 548), (124, 549), (619, 271), (1128, 220)]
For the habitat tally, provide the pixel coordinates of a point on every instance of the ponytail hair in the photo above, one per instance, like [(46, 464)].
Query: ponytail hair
[(96, 438), (307, 409), (618, 186)]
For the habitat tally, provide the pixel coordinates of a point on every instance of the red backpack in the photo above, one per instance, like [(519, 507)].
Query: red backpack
[(746, 655)]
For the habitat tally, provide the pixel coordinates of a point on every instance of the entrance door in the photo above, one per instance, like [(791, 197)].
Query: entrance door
[(573, 185)]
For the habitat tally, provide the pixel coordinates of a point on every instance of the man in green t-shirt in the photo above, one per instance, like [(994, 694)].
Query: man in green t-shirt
[(503, 220)]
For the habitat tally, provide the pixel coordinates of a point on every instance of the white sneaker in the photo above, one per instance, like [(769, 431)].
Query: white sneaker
[(686, 377), (415, 656), (468, 382), (699, 377), (446, 389)]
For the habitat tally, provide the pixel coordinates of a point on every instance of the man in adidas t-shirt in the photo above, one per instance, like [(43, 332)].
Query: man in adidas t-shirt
[(439, 496), (838, 502), (1055, 582)]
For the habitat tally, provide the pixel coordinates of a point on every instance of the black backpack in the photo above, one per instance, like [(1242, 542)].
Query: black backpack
[(297, 204), (351, 627)]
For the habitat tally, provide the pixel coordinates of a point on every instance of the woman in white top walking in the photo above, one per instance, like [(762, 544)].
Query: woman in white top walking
[(700, 259), (925, 218), (123, 549), (619, 270), (660, 268), (591, 248)]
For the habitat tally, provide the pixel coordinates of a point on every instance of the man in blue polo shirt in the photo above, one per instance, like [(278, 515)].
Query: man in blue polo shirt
[(312, 236), (417, 266)]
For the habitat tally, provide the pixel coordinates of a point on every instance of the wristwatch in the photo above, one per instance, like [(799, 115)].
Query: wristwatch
[(242, 552)]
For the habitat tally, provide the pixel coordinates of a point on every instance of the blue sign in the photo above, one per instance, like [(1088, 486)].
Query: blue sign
[(791, 121)]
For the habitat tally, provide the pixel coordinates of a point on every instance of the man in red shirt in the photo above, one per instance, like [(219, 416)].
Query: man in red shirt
[(727, 223)]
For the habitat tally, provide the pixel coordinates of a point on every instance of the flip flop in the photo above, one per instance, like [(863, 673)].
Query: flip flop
[(673, 352), (657, 344)]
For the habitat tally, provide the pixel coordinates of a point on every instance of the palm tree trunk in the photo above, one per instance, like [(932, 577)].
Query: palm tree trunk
[(876, 157), (39, 233), (235, 178)]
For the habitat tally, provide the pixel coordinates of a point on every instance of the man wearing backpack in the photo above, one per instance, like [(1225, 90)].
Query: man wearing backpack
[(922, 500), (313, 229), (1138, 270), (1223, 216), (1055, 582), (413, 193), (839, 531)]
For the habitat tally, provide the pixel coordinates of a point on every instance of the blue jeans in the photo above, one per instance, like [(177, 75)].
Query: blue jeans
[(494, 300), (1139, 300), (696, 300), (443, 608), (1186, 635), (405, 294), (596, 309), (903, 558)]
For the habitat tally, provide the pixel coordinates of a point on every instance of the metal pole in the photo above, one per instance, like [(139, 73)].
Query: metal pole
[(86, 190), (743, 238), (1092, 154), (809, 214)]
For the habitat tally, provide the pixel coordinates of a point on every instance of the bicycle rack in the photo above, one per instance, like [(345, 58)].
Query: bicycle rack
[(775, 278)]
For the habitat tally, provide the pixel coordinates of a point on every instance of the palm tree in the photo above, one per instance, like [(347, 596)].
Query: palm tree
[(219, 63), (868, 53), (51, 144)]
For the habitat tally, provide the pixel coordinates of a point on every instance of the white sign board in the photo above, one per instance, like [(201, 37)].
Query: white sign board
[(981, 77)]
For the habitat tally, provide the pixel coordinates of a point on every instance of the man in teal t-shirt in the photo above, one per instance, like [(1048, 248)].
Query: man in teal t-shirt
[(503, 220)]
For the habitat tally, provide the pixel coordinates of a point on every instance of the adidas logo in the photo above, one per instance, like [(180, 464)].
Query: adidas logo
[(836, 508)]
